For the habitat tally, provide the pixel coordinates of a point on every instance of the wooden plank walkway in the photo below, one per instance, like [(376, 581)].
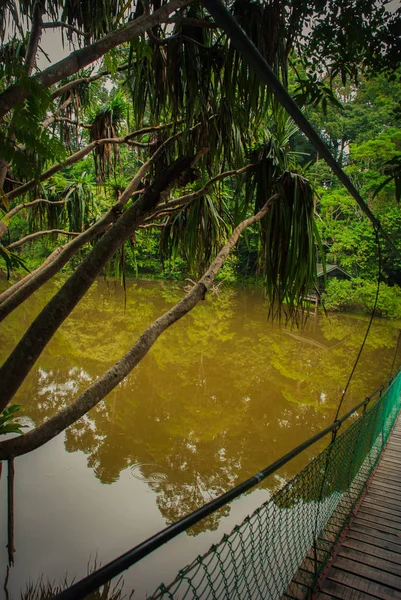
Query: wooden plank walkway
[(368, 563)]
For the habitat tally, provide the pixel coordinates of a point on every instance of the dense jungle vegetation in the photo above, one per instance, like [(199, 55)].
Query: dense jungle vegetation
[(153, 143)]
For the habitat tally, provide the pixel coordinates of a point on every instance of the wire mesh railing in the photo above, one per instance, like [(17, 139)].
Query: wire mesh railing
[(281, 549)]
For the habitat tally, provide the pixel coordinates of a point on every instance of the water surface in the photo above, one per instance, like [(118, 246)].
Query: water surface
[(221, 395)]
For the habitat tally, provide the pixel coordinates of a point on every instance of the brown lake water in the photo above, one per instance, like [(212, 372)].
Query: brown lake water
[(221, 395)]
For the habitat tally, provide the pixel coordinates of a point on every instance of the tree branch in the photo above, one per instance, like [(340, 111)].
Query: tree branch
[(192, 21), (71, 84), (32, 236), (84, 56), (105, 384), (183, 200), (56, 24), (50, 120), (72, 122), (34, 38), (20, 207)]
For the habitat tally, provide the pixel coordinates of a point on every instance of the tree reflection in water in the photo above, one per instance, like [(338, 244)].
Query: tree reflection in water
[(222, 394)]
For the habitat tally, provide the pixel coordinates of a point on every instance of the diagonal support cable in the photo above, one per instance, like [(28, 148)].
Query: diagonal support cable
[(224, 19)]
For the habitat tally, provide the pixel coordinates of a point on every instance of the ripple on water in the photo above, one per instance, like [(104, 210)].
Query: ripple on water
[(154, 477)]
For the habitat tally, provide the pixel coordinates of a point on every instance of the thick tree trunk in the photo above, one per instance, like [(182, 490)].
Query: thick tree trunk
[(28, 350), (96, 392), (85, 56)]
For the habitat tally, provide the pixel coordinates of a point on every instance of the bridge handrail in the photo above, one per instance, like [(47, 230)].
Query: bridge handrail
[(114, 568)]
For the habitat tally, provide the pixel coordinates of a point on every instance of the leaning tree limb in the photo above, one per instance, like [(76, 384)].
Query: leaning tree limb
[(32, 236), (22, 206), (85, 56), (49, 120), (105, 384), (18, 293), (58, 24), (70, 85), (31, 345)]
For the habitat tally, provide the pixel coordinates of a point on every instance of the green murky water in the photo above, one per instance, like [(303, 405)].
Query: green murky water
[(221, 395)]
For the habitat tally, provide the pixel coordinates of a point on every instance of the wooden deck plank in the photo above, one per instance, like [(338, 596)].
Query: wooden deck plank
[(389, 460), (367, 529), (380, 494), (381, 518), (383, 500), (384, 481), (361, 584), (391, 471), (387, 477), (389, 467), (392, 452), (368, 559), (393, 467), (379, 510), (385, 486), (370, 573), (332, 589), (395, 511), (385, 544), (376, 488), (370, 548), (377, 523)]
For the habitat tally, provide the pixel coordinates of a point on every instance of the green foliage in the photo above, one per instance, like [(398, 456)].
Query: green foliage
[(348, 36), (23, 141), (8, 424), (360, 295), (12, 260)]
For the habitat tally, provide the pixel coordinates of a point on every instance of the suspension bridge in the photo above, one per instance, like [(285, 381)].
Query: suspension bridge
[(333, 531)]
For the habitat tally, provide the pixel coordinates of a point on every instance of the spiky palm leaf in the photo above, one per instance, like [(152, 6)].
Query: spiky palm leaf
[(75, 214), (290, 239), (195, 74), (80, 205), (106, 124), (195, 233)]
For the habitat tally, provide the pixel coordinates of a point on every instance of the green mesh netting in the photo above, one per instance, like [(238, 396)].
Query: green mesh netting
[(282, 548)]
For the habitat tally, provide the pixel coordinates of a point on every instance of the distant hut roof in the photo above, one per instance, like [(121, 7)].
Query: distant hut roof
[(330, 269)]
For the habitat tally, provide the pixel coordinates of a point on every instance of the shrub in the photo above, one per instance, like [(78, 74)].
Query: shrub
[(359, 294)]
